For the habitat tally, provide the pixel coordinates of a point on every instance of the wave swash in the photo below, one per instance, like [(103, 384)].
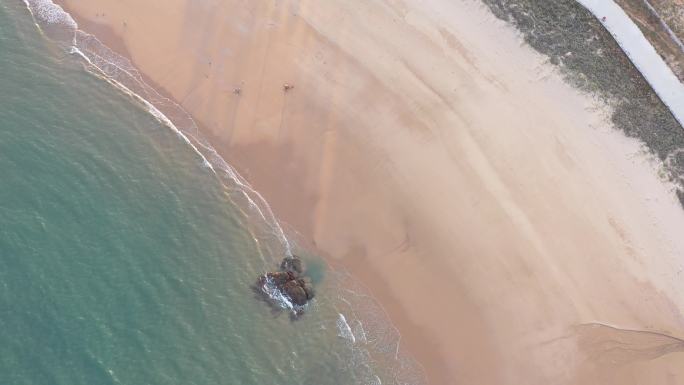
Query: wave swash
[(368, 334)]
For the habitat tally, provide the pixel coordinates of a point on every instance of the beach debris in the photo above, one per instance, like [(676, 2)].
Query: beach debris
[(287, 87), (237, 91), (290, 282)]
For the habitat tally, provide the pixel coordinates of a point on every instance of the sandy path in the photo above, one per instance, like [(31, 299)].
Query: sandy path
[(487, 205), (640, 51)]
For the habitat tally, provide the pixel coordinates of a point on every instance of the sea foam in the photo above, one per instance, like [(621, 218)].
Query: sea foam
[(120, 72), (344, 330), (376, 336), (45, 11)]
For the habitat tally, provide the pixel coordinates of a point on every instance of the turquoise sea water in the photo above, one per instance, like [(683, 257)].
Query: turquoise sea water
[(124, 260)]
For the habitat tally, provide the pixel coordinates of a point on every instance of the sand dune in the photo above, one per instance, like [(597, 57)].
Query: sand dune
[(489, 207)]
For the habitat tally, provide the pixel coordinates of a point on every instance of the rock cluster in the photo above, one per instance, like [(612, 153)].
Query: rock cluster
[(290, 280)]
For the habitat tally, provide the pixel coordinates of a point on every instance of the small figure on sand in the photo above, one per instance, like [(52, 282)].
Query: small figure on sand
[(287, 87)]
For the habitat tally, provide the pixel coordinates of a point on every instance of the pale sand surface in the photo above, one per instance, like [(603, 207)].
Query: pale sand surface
[(488, 206)]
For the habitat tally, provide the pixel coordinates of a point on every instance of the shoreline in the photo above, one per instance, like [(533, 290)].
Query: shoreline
[(371, 259), (406, 367)]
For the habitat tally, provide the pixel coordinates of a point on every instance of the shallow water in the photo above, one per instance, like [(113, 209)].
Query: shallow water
[(125, 260)]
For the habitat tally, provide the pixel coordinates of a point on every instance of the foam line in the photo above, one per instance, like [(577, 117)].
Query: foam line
[(126, 77), (380, 336), (50, 13)]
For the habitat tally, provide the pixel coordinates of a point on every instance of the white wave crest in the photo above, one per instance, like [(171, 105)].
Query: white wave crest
[(45, 11), (375, 334), (271, 289), (121, 72), (344, 330)]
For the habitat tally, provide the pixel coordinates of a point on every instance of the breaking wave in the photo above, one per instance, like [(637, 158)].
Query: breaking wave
[(120, 72), (364, 326), (366, 329), (48, 12), (344, 330)]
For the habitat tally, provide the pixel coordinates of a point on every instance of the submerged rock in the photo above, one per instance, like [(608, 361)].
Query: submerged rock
[(308, 288), (290, 281), (293, 264)]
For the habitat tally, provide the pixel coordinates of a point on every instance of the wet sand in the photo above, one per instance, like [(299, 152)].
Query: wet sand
[(491, 208)]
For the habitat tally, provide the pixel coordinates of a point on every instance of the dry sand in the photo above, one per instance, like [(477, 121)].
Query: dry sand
[(512, 236)]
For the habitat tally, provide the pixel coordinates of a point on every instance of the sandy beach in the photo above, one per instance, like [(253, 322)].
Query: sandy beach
[(512, 235)]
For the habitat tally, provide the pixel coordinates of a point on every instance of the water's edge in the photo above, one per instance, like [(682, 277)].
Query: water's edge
[(366, 326)]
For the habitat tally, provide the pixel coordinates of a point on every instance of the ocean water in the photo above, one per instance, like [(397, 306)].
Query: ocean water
[(125, 258)]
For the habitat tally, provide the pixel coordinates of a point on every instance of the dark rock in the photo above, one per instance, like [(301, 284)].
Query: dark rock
[(279, 278), (295, 292), (290, 281)]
